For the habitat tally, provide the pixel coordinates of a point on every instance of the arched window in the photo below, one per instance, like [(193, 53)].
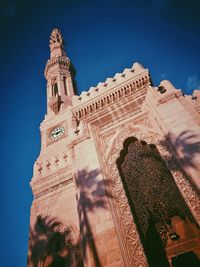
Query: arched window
[(54, 87), (154, 199), (65, 84)]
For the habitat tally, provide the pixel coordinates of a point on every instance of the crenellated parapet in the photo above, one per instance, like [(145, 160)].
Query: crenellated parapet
[(111, 91)]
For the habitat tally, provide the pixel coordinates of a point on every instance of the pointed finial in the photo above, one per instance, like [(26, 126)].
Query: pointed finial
[(56, 37), (56, 43)]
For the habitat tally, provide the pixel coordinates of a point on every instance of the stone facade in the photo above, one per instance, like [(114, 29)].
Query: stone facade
[(81, 213)]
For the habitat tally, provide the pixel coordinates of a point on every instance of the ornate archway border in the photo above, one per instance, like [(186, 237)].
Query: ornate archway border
[(130, 237)]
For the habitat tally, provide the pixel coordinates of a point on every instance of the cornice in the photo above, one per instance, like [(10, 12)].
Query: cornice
[(54, 188), (109, 97), (61, 61), (42, 183), (167, 98), (135, 117)]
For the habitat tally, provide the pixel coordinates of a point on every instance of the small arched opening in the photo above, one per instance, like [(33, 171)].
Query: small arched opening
[(54, 86), (65, 84)]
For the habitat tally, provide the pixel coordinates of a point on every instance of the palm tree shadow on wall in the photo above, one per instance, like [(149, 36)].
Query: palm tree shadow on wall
[(52, 247), (189, 148), (93, 195), (186, 144)]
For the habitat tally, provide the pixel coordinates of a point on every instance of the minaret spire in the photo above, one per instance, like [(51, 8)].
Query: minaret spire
[(56, 44), (57, 73)]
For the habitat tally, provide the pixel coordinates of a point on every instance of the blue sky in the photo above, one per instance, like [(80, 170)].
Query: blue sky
[(102, 38)]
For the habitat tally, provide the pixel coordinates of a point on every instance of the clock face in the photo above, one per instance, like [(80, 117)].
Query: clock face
[(57, 132)]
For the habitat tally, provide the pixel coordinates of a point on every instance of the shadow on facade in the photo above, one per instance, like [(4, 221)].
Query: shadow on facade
[(92, 195), (52, 245), (152, 211), (72, 70), (154, 199), (186, 145)]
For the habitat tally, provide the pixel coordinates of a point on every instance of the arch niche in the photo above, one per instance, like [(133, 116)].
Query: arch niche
[(137, 219), (54, 86), (63, 247), (58, 253)]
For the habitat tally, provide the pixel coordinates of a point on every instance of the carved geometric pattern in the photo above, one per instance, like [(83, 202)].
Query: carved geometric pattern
[(114, 96), (151, 187), (125, 117), (183, 183), (153, 196), (132, 244), (56, 62), (56, 37), (108, 140)]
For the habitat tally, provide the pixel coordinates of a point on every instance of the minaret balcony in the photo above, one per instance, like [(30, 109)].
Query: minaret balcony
[(54, 103)]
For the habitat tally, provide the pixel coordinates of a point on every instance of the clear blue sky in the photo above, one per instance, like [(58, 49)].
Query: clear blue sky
[(102, 38)]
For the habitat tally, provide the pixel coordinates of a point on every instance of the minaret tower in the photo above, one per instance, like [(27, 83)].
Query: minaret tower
[(58, 76), (109, 189), (54, 225)]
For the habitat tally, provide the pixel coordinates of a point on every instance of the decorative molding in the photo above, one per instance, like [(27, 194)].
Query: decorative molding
[(114, 96), (81, 134), (61, 61), (40, 184), (53, 188), (108, 139), (166, 98), (108, 135), (197, 108), (136, 72), (182, 181), (45, 167), (120, 119), (125, 221), (56, 37)]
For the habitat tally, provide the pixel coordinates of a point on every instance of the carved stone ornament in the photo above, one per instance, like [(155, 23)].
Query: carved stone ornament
[(132, 246), (56, 37)]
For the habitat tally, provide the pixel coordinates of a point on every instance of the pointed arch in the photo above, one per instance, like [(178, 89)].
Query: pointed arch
[(153, 197), (132, 248)]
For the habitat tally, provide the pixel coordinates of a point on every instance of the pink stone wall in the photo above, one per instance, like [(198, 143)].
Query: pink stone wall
[(76, 183)]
